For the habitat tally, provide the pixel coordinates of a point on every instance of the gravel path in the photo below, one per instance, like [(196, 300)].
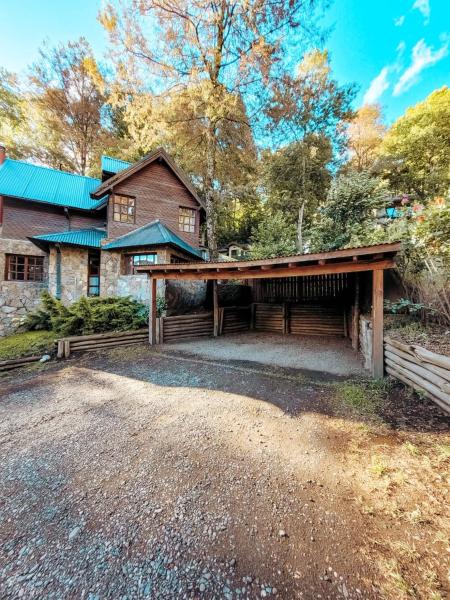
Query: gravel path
[(134, 474), (310, 353)]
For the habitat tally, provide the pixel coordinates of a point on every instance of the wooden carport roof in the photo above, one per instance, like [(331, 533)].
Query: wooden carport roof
[(350, 260), (366, 258)]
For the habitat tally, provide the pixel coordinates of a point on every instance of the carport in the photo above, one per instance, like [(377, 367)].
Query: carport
[(325, 283)]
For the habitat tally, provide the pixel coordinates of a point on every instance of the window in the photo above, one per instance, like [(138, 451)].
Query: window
[(123, 209), (24, 268), (186, 220), (94, 274), (137, 260)]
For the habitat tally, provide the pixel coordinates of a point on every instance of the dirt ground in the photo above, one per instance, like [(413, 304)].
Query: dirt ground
[(313, 353), (137, 473)]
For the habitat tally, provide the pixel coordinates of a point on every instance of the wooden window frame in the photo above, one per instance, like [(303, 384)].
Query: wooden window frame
[(128, 259), (130, 204), (187, 220), (32, 265)]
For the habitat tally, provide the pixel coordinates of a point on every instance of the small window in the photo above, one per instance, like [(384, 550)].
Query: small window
[(137, 260), (123, 209), (186, 220), (24, 268)]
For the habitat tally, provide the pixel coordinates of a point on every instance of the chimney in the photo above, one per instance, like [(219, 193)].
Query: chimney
[(2, 154)]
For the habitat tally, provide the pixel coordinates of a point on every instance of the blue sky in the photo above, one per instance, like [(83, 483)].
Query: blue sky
[(397, 51)]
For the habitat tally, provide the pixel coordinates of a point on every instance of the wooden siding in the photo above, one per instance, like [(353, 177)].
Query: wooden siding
[(159, 195), (23, 219), (297, 289), (299, 319)]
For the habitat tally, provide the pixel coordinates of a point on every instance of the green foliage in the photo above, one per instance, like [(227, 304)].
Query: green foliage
[(348, 211), (363, 397), (26, 344), (273, 236), (416, 150), (91, 315), (404, 305)]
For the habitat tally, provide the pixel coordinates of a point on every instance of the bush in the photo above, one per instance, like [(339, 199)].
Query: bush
[(90, 315)]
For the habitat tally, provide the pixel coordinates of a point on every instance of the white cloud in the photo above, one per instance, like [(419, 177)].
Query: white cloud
[(399, 22), (422, 58), (400, 49), (377, 87), (424, 7)]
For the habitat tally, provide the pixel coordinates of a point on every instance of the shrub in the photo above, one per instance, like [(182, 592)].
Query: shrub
[(90, 315)]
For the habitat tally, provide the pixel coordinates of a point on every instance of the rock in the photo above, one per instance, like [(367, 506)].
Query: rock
[(45, 358), (282, 533), (73, 534)]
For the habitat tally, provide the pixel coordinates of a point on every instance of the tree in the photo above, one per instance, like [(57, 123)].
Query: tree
[(416, 149), (348, 211), (219, 51), (12, 115), (274, 236), (67, 107), (365, 134), (296, 178), (309, 111)]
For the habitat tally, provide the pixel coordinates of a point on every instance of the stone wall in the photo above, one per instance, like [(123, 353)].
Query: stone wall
[(184, 296), (74, 273), (18, 297)]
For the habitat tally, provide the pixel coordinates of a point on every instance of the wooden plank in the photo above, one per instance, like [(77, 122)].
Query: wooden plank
[(377, 325), (356, 314), (215, 308), (275, 272), (152, 313)]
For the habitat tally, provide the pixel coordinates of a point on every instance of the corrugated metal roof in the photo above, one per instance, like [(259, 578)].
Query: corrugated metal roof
[(89, 238), (153, 234), (113, 165), (32, 182)]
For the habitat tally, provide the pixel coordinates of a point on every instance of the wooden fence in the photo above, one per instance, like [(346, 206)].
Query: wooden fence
[(426, 372), (300, 319), (234, 319), (300, 289), (97, 341), (16, 363), (182, 327)]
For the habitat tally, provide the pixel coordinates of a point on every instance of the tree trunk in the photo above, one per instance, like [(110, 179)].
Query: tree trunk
[(210, 200), (300, 228)]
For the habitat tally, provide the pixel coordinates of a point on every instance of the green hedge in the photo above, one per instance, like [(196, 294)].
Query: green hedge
[(89, 315)]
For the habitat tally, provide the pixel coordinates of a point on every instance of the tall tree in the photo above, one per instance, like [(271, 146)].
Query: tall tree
[(226, 50), (416, 149), (365, 134), (297, 178), (12, 115), (68, 107)]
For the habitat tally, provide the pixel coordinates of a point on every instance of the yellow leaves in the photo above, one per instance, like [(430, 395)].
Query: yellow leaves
[(91, 67), (108, 18)]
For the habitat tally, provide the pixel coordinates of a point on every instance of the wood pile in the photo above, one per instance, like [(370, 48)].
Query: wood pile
[(235, 319), (186, 326), (269, 317), (426, 372), (314, 319), (98, 341)]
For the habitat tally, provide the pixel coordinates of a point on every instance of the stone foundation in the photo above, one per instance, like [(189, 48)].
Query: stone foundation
[(18, 297)]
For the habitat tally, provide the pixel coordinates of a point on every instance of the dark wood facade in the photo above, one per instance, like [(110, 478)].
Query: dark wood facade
[(159, 195)]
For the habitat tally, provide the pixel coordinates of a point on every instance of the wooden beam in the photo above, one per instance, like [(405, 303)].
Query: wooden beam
[(377, 325), (152, 313), (215, 308), (355, 323), (297, 270)]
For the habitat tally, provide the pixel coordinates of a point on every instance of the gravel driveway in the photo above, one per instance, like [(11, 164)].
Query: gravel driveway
[(135, 474)]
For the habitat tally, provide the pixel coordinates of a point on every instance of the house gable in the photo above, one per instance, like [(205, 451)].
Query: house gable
[(159, 194)]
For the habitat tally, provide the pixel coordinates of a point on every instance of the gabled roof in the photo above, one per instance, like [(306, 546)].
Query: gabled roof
[(113, 165), (107, 186), (87, 238), (153, 234), (19, 179)]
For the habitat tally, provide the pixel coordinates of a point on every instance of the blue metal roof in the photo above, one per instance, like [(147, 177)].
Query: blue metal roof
[(89, 238), (114, 165), (153, 234), (24, 180)]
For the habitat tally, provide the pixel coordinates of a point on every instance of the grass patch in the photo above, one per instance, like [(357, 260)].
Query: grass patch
[(363, 397), (411, 448), (378, 467), (26, 344)]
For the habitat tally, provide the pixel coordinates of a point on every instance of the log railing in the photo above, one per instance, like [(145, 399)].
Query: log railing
[(426, 372), (98, 341)]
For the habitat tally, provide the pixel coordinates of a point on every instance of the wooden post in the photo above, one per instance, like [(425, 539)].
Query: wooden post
[(252, 315), (152, 313), (285, 319), (377, 324), (161, 330), (215, 308), (355, 332)]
